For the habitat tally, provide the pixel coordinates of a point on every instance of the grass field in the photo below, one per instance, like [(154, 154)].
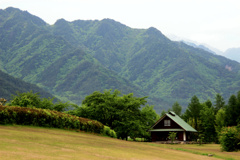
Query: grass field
[(21, 142), (204, 149)]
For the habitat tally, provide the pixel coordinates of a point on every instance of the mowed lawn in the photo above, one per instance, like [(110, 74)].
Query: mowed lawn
[(204, 149), (21, 142)]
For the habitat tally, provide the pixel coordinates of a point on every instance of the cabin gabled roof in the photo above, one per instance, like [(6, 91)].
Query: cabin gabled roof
[(175, 118)]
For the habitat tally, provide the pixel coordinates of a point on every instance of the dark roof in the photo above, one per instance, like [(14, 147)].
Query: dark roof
[(177, 119)]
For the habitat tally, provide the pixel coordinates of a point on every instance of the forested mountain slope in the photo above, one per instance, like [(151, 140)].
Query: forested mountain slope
[(171, 70), (73, 59), (31, 52), (10, 86)]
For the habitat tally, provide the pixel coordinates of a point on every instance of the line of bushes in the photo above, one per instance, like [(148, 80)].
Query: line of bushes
[(48, 118)]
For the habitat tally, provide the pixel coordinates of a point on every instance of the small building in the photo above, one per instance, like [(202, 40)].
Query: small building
[(171, 122)]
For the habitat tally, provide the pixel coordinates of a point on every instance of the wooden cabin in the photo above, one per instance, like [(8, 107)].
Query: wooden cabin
[(171, 122)]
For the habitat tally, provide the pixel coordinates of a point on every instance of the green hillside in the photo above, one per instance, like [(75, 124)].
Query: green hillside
[(51, 62), (73, 59), (10, 85), (172, 71)]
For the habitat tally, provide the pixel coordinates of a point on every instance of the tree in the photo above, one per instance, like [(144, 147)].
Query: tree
[(121, 113), (219, 103), (232, 111), (149, 115), (193, 111), (163, 113), (177, 108), (207, 118), (30, 99), (220, 120), (101, 106), (148, 118), (208, 103)]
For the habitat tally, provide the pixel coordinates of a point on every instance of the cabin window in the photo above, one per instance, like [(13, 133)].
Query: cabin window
[(166, 122)]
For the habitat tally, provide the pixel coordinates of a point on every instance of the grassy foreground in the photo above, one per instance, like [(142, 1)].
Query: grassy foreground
[(21, 142), (204, 149)]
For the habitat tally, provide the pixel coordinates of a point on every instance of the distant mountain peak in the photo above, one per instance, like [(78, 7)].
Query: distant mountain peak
[(24, 16), (61, 21), (12, 9)]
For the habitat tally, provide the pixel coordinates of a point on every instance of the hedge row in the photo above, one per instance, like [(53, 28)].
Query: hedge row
[(47, 118)]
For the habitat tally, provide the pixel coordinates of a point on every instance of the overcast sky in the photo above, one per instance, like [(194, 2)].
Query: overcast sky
[(213, 22)]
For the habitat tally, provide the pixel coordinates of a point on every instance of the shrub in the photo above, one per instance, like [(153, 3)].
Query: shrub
[(113, 134), (229, 138), (172, 136), (107, 131)]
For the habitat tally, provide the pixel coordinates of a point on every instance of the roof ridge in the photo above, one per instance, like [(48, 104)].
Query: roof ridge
[(173, 116)]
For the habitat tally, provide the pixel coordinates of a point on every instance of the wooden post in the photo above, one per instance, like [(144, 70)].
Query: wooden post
[(184, 135)]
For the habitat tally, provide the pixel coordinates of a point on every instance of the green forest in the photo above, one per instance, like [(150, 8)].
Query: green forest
[(122, 116)]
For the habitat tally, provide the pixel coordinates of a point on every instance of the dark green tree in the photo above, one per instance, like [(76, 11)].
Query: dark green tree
[(163, 113), (177, 108), (232, 111), (219, 103), (208, 103), (207, 118), (193, 111)]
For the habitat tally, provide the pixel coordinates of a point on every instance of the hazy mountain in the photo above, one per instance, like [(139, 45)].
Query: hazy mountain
[(73, 59), (233, 53), (195, 44)]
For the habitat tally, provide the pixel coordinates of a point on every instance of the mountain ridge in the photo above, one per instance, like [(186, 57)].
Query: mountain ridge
[(111, 55), (38, 62)]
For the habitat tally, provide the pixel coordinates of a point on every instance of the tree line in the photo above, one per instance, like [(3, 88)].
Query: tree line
[(125, 114), (130, 116), (217, 122), (209, 119)]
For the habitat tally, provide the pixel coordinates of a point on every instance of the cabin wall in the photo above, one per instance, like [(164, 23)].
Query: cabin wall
[(163, 136), (173, 124)]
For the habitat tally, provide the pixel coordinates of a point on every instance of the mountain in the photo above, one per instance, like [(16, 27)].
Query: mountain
[(233, 53), (73, 59), (10, 85), (199, 46), (163, 68), (31, 52), (195, 44)]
